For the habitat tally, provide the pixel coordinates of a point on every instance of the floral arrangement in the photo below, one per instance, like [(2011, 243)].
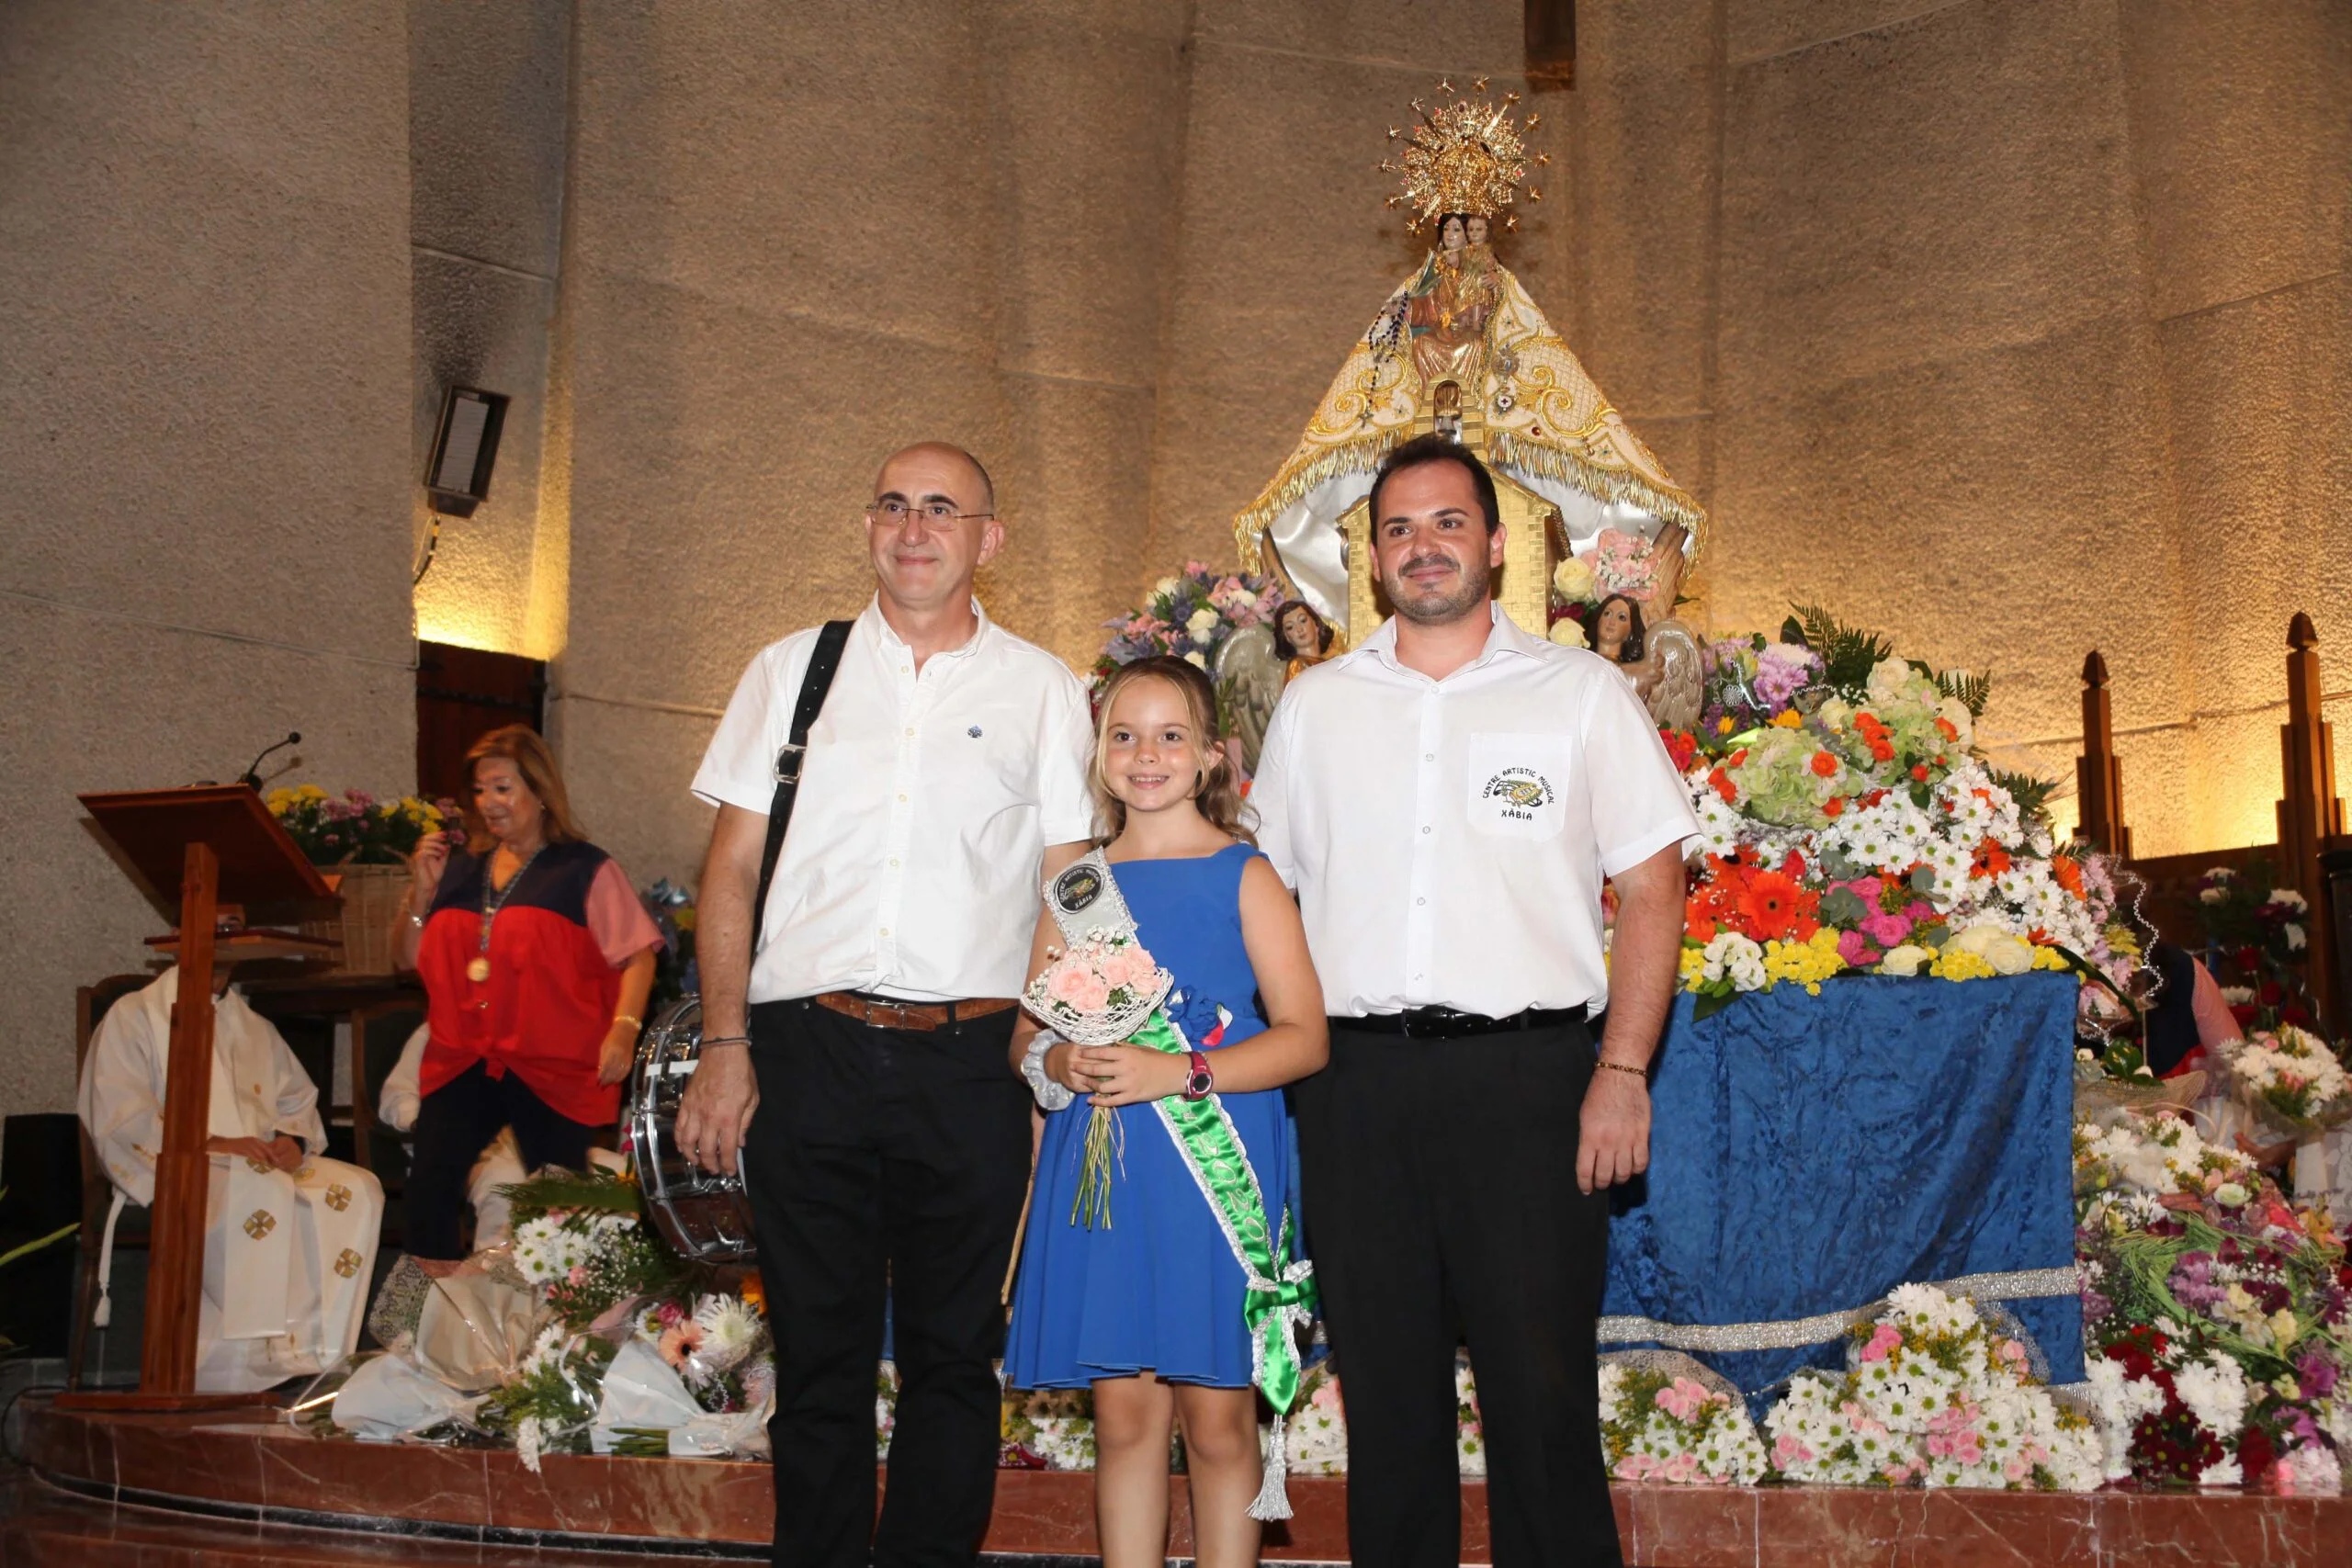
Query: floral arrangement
[(1618, 562), (2291, 1076), (1469, 1432), (1315, 1438), (1658, 1424), (1935, 1396), (2257, 944), (2248, 917), (551, 1402), (585, 1242), (1047, 1429), (1097, 992), (1850, 825), (2215, 1312), (719, 1346), (1189, 616), (357, 828)]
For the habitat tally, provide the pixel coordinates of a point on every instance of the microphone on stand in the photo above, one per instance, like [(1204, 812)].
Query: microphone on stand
[(251, 777)]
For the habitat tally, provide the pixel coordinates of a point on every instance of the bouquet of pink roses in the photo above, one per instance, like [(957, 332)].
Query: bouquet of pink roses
[(1099, 991)]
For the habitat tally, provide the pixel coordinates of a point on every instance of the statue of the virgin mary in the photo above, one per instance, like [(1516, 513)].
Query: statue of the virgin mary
[(1460, 348)]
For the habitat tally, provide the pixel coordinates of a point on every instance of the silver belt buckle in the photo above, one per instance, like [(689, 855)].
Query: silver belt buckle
[(788, 762)]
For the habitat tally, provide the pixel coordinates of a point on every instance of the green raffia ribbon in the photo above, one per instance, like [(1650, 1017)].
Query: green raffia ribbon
[(1279, 1294)]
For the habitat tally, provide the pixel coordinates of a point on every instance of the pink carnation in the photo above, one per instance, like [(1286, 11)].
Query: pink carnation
[(1856, 950), (1885, 1338), (1130, 966), (1887, 930), (1682, 1399), (1080, 988)]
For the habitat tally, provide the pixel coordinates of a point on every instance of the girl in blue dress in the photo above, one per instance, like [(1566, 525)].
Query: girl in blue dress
[(1147, 1310)]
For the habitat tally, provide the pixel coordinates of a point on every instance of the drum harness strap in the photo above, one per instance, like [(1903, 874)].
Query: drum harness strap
[(824, 662)]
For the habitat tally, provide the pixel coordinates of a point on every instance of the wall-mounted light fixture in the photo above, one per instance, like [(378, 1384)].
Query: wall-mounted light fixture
[(465, 449)]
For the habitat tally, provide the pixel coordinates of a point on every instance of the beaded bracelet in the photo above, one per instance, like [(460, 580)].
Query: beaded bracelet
[(1621, 1067)]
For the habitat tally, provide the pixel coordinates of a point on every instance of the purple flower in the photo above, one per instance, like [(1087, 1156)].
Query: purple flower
[(2192, 1282), (2316, 1373)]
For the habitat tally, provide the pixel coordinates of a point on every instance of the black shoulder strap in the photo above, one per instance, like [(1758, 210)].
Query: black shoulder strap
[(824, 660)]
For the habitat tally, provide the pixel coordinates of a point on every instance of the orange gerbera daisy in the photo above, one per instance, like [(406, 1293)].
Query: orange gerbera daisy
[(1770, 901)]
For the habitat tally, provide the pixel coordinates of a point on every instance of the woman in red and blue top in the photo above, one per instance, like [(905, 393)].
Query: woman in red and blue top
[(537, 959)]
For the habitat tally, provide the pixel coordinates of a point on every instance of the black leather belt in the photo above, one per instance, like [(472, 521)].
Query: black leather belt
[(1445, 1023)]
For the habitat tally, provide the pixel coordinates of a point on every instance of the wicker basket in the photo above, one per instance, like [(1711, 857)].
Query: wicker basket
[(375, 901)]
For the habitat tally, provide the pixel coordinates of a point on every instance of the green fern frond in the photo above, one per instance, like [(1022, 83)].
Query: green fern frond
[(1847, 653), (1972, 687), (2031, 792), (597, 1192)]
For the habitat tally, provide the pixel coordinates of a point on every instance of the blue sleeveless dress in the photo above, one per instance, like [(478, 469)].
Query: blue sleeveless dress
[(1159, 1288)]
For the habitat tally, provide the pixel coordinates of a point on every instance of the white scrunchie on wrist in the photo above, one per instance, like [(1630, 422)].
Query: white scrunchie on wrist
[(1050, 1095)]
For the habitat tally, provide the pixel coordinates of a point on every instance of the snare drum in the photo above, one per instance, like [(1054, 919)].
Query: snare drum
[(706, 1217)]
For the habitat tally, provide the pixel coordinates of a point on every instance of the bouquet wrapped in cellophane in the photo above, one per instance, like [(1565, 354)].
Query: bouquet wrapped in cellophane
[(1103, 989)]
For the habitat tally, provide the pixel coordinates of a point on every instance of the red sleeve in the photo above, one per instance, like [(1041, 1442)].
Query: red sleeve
[(616, 919)]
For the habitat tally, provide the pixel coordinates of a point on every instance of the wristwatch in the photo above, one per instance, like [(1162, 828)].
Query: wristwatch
[(1198, 1082)]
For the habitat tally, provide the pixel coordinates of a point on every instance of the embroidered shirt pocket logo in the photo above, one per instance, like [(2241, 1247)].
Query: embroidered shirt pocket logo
[(1515, 783)]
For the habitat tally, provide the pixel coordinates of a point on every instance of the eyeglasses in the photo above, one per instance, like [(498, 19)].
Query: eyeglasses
[(930, 514)]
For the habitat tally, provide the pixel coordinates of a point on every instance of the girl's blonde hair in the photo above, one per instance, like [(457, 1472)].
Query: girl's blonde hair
[(1217, 793)]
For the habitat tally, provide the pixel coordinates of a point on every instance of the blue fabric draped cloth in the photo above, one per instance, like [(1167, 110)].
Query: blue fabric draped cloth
[(1809, 1154)]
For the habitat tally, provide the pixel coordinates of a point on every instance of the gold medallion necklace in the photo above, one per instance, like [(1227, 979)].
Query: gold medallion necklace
[(492, 901)]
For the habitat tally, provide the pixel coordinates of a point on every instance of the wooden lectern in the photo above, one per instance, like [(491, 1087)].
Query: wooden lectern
[(201, 846)]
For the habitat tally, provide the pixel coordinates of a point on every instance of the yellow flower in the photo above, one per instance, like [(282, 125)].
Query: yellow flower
[(2048, 958), (1693, 967), (309, 793), (1806, 963), (1958, 964), (279, 802), (1722, 725), (1788, 718)]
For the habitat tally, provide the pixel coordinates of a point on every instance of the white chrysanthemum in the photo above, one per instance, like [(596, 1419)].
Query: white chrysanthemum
[(729, 1329), (2215, 1391), (2314, 1470)]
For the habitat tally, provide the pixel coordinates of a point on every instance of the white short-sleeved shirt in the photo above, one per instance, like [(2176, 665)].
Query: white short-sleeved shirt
[(1448, 839), (911, 865)]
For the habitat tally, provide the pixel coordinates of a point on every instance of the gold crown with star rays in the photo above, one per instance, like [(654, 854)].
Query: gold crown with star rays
[(1466, 155)]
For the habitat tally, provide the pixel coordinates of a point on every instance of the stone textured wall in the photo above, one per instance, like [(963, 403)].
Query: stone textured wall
[(204, 391), (487, 88)]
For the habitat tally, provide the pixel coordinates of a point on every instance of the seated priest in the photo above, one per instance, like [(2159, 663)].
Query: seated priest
[(289, 1237)]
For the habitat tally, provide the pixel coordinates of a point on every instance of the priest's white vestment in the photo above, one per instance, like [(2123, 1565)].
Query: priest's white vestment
[(287, 1254)]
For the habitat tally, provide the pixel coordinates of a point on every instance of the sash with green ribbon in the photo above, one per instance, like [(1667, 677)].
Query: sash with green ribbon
[(1279, 1298)]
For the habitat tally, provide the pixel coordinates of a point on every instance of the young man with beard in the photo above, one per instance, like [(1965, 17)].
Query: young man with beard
[(1447, 800), (945, 774)]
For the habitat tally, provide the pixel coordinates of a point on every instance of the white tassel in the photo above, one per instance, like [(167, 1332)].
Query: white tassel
[(1273, 1497), (103, 1313)]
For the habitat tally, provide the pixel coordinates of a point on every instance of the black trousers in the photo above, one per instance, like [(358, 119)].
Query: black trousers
[(884, 1162), (1441, 1196), (453, 1124)]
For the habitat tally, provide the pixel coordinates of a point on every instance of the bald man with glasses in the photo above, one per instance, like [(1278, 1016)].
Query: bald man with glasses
[(867, 1024)]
